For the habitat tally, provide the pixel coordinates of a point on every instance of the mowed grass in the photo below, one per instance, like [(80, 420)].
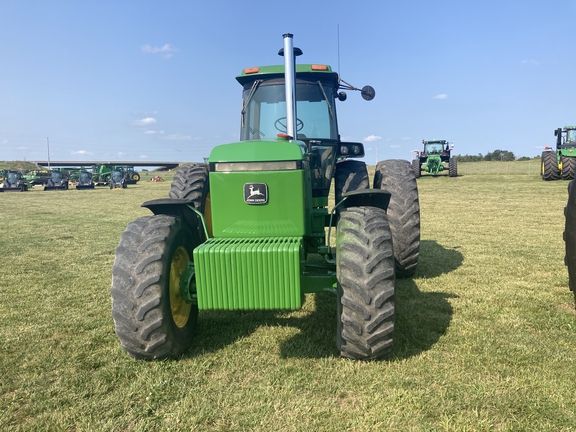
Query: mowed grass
[(485, 336)]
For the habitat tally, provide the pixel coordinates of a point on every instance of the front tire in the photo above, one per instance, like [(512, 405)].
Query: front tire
[(568, 167), (549, 168), (151, 318), (365, 273), (396, 176)]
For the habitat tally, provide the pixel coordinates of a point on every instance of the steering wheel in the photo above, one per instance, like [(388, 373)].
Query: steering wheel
[(281, 122)]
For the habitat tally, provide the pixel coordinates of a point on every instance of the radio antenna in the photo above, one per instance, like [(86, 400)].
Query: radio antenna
[(338, 42)]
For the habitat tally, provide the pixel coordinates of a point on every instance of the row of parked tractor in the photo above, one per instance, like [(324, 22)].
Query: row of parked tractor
[(113, 176)]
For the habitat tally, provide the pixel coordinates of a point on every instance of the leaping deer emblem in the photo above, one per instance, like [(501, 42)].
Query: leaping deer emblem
[(254, 192)]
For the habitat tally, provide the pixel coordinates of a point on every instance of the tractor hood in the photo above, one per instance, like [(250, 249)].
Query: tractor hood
[(258, 151)]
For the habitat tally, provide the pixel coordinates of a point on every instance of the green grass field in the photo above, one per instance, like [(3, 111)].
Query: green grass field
[(485, 336)]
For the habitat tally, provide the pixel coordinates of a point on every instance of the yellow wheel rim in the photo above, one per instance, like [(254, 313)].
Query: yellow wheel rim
[(180, 309)]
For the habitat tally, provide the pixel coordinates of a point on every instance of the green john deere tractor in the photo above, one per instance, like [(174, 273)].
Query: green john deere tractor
[(101, 174), (560, 164), (251, 229), (435, 158)]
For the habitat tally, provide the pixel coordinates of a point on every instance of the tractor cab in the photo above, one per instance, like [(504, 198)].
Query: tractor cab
[(436, 147), (264, 115), (570, 135)]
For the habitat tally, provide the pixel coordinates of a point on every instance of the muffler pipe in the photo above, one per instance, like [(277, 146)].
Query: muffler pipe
[(290, 85)]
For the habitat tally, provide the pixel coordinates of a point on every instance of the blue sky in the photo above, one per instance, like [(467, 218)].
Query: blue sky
[(154, 80)]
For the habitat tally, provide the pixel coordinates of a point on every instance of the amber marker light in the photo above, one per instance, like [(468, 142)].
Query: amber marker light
[(253, 70), (319, 67)]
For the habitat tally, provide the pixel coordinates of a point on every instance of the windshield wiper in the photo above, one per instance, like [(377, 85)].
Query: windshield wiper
[(326, 99), (249, 98)]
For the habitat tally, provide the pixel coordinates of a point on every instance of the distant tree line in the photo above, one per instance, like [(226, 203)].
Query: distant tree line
[(496, 155)]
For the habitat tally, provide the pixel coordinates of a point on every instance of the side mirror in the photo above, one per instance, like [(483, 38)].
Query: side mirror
[(368, 93)]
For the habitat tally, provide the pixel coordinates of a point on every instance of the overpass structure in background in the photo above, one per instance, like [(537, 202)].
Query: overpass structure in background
[(50, 164)]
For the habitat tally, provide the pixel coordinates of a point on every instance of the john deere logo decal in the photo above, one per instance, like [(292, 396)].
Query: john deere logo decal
[(255, 193)]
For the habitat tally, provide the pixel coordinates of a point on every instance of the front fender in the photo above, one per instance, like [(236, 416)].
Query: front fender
[(183, 209)]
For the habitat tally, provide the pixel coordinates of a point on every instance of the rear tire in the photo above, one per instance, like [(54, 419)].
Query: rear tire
[(351, 175), (416, 168), (452, 167), (151, 319), (191, 182), (396, 176), (365, 272), (570, 238), (568, 167), (549, 168)]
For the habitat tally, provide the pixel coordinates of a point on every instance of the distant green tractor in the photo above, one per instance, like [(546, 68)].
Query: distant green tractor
[(38, 177), (435, 158), (102, 173), (251, 229), (560, 164)]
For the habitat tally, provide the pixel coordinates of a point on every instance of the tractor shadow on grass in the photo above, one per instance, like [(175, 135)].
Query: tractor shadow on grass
[(422, 318)]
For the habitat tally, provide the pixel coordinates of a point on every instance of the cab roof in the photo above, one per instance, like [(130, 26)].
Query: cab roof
[(304, 71)]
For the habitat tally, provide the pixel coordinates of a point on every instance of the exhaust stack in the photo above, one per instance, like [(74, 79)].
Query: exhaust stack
[(290, 85)]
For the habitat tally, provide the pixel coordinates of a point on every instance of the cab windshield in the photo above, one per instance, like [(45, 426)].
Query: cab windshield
[(434, 148), (571, 135), (264, 111)]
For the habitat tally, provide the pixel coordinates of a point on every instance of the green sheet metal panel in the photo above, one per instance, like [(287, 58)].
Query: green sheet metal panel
[(253, 273), (283, 215)]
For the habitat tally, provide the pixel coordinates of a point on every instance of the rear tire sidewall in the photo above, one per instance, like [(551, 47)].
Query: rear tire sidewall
[(396, 176), (350, 175)]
